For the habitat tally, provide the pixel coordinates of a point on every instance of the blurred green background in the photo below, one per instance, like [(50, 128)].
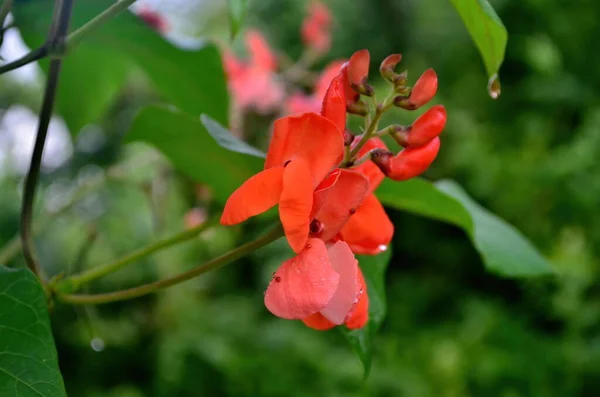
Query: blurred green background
[(452, 329)]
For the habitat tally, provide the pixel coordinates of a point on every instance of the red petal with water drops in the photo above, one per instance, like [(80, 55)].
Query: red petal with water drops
[(345, 264), (303, 285), (359, 315), (369, 231)]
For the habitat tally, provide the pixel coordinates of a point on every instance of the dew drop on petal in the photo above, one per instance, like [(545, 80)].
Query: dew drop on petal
[(494, 88), (97, 344), (382, 247)]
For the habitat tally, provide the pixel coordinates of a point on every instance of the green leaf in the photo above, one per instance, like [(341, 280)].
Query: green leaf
[(187, 143), (503, 249), (486, 30), (95, 71), (28, 361), (237, 14), (361, 340), (225, 139)]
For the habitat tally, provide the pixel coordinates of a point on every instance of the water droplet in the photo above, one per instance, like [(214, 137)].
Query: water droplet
[(277, 279), (494, 88), (382, 247), (97, 344)]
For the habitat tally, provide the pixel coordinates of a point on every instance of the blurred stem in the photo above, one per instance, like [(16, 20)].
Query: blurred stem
[(58, 48), (75, 282), (368, 134), (58, 32), (105, 16), (239, 252)]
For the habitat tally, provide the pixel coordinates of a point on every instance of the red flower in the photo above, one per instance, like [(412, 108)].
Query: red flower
[(254, 84), (316, 28), (409, 163), (369, 231)]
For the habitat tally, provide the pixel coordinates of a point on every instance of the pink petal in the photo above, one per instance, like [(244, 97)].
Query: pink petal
[(343, 261), (304, 284)]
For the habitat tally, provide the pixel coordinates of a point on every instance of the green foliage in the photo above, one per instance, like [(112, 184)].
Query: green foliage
[(486, 30), (192, 80), (503, 248), (28, 362), (237, 14), (362, 340), (187, 143)]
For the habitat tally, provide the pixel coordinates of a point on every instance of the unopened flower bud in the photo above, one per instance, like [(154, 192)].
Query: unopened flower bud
[(358, 72), (359, 108), (400, 81), (412, 162), (427, 127), (382, 159), (388, 65), (424, 89)]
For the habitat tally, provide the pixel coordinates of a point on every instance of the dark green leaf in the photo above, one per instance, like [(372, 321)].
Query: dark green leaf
[(185, 141), (486, 30), (28, 361), (94, 72), (237, 13), (225, 139), (504, 250), (361, 340)]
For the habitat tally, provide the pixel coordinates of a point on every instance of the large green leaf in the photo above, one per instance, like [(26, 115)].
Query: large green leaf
[(185, 141), (94, 72), (486, 30), (504, 249), (361, 340), (28, 361)]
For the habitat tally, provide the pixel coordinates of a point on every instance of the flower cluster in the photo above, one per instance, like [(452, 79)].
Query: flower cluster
[(262, 84), (322, 177)]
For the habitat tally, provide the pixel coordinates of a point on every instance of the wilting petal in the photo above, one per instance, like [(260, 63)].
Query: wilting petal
[(261, 55), (295, 203), (303, 285), (368, 168), (369, 231), (255, 196), (334, 103), (346, 265), (359, 315), (309, 136), (318, 321), (339, 202)]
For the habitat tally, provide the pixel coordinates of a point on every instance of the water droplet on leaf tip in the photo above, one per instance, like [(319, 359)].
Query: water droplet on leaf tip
[(494, 88), (97, 344)]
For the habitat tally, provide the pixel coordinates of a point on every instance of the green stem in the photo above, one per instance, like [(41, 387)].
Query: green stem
[(74, 282), (75, 38), (368, 133), (239, 252)]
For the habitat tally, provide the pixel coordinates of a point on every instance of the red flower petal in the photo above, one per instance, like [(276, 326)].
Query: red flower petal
[(330, 72), (424, 89), (413, 162), (318, 322), (346, 265), (255, 196), (358, 67), (295, 203), (359, 315), (428, 126), (303, 285), (369, 231), (309, 136), (369, 169), (339, 202), (334, 104)]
